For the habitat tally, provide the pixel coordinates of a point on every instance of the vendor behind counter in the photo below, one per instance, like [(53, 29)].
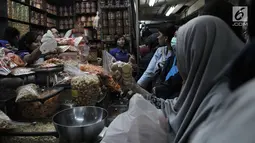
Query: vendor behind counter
[(29, 47)]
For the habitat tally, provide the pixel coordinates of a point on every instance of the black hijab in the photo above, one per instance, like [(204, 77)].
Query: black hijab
[(223, 10), (242, 69)]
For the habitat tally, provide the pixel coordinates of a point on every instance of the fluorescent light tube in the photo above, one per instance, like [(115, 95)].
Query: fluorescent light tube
[(171, 9), (151, 3)]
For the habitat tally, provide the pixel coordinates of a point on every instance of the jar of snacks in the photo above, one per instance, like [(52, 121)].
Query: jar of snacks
[(104, 15), (93, 10), (105, 30), (119, 23), (93, 4), (126, 30), (125, 14), (119, 15), (111, 15), (105, 23), (119, 30), (111, 31), (126, 22), (112, 23)]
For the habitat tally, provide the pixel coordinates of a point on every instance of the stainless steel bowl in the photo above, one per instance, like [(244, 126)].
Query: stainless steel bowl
[(80, 124)]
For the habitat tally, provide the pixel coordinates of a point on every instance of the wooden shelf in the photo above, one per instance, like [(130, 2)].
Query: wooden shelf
[(64, 29), (52, 15), (89, 27), (65, 16), (23, 3), (121, 7), (37, 10), (95, 40), (86, 1), (38, 26), (18, 21), (82, 14)]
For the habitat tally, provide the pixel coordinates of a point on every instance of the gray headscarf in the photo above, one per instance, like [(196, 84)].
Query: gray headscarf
[(232, 121), (204, 46)]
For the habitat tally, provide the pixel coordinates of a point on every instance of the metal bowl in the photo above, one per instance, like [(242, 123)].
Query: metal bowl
[(80, 124)]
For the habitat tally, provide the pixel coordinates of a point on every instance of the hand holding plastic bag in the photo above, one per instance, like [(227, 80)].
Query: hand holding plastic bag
[(142, 123), (49, 43)]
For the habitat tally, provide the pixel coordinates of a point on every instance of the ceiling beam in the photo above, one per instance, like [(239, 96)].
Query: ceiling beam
[(157, 18)]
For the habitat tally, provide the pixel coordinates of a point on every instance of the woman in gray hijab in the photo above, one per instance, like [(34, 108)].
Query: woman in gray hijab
[(204, 46), (232, 121)]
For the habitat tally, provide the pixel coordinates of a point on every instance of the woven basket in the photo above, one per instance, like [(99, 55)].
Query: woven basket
[(93, 55)]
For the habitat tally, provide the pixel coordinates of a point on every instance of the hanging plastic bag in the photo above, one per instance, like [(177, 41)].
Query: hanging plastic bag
[(27, 93), (108, 60), (49, 43), (96, 21), (142, 123)]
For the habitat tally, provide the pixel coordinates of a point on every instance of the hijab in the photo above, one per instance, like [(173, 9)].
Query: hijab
[(204, 46), (242, 68), (232, 121), (223, 10)]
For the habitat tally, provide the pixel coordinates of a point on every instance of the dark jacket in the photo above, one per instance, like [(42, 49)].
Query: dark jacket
[(170, 88)]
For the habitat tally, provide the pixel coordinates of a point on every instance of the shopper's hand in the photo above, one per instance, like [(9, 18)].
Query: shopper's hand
[(132, 59)]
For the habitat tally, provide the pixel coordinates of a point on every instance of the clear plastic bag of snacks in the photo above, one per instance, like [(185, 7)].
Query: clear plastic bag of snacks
[(27, 93)]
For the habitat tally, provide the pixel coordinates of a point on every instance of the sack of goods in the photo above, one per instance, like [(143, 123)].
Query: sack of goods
[(122, 72), (27, 93), (86, 89)]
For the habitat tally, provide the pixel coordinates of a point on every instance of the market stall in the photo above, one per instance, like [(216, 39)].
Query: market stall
[(70, 82), (77, 72)]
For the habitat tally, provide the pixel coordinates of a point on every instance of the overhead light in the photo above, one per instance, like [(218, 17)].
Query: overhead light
[(170, 10), (151, 3)]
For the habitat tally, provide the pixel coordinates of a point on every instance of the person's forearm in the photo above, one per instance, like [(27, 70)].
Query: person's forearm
[(144, 80), (31, 58), (137, 89), (156, 101)]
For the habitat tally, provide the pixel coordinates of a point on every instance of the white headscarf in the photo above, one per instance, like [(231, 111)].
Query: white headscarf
[(204, 46)]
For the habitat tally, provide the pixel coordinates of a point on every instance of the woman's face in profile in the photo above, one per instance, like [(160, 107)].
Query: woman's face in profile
[(36, 44)]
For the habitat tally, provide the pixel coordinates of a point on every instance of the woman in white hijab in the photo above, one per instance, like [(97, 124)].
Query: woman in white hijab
[(205, 45)]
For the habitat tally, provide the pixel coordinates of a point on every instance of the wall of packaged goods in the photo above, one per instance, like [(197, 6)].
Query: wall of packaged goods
[(40, 15), (115, 20)]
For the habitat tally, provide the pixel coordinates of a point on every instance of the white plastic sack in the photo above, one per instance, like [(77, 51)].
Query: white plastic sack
[(108, 60), (96, 21), (142, 123), (49, 43)]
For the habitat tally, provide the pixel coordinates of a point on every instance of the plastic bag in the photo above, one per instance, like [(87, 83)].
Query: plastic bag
[(4, 69), (49, 44), (5, 121), (108, 60), (86, 89), (96, 21), (27, 93), (16, 59), (73, 70), (142, 123)]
